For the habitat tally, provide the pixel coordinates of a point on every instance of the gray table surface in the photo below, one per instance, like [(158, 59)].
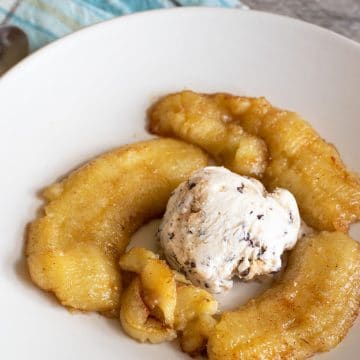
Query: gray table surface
[(342, 16)]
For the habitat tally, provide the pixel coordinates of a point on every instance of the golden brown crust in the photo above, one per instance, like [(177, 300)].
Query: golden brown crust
[(160, 301), (73, 249), (200, 120), (328, 194), (309, 310)]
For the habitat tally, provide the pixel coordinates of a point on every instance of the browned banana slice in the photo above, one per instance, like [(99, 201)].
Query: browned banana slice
[(328, 194), (161, 296), (136, 259), (73, 249), (158, 283), (192, 302), (196, 334), (136, 321), (199, 120), (159, 290), (309, 310)]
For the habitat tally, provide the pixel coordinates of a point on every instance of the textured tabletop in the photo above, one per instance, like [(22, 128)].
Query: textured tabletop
[(342, 16)]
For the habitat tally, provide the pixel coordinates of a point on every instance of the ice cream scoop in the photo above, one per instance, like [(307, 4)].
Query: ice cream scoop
[(218, 225)]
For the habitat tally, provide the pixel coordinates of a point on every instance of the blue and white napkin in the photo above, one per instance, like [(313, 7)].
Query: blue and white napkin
[(46, 20)]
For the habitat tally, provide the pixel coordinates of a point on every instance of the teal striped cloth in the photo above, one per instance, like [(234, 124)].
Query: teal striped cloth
[(46, 20)]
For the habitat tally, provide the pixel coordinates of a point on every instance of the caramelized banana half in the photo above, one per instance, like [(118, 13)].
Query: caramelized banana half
[(309, 310), (73, 249)]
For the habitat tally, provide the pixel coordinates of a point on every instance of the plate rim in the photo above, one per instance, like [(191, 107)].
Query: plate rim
[(186, 9), (304, 26)]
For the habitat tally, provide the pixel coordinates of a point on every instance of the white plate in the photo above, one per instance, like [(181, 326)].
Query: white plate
[(89, 92)]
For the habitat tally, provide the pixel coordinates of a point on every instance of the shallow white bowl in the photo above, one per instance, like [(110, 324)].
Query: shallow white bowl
[(89, 92)]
